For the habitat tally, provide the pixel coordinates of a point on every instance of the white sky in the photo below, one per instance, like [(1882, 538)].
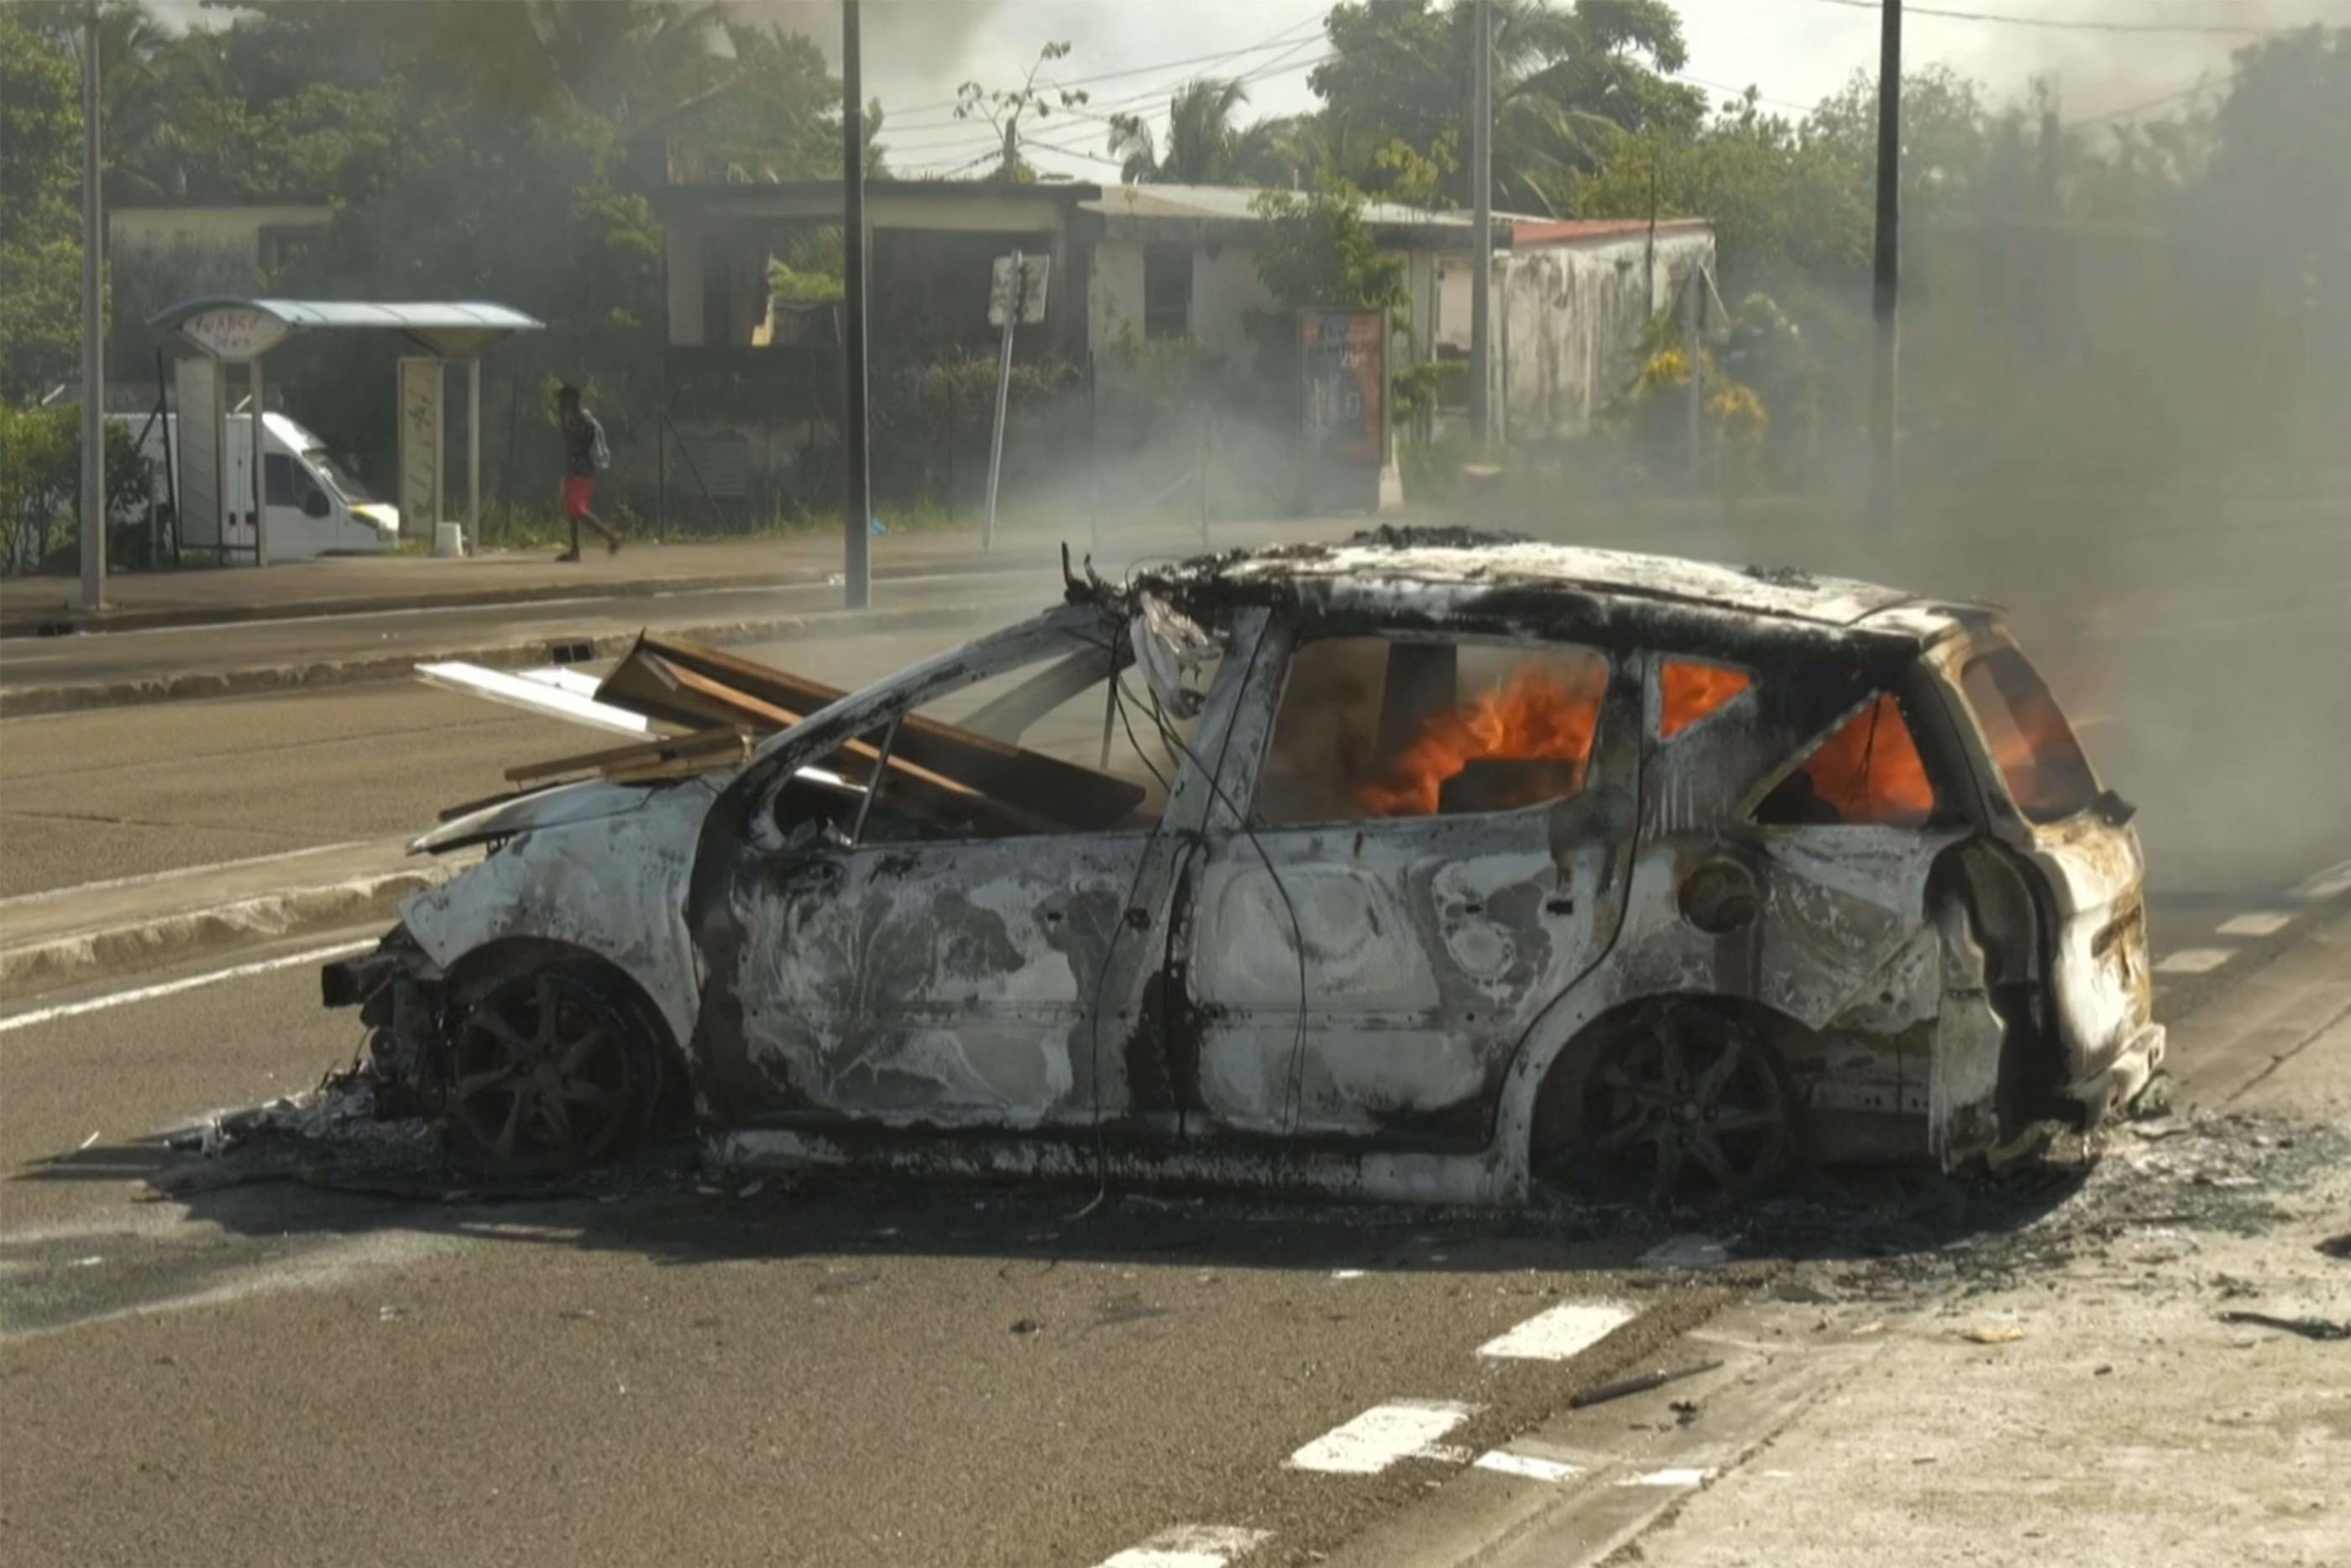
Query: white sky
[(1794, 51)]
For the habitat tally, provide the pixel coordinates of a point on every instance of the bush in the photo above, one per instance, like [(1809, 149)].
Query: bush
[(40, 491)]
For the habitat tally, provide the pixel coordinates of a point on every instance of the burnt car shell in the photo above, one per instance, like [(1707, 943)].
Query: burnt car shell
[(1407, 1007)]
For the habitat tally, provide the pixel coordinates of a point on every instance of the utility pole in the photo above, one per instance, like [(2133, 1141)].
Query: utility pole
[(1481, 242), (93, 332), (856, 513), (1885, 298)]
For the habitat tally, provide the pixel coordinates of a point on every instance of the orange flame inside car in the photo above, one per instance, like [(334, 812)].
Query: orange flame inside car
[(1870, 770), (1692, 692), (1537, 715)]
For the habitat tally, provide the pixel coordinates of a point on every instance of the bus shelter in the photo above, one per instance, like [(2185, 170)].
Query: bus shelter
[(214, 502)]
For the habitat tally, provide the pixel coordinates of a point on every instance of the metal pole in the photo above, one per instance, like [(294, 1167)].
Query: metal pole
[(93, 332), (474, 452), (260, 468), (1481, 242), (1887, 271), (856, 519), (1694, 318), (1003, 392)]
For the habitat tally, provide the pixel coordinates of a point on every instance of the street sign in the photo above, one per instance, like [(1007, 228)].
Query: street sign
[(1034, 271), (234, 332)]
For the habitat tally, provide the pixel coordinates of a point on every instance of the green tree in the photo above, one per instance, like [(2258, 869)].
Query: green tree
[(1566, 82), (1204, 146), (1317, 250), (40, 212)]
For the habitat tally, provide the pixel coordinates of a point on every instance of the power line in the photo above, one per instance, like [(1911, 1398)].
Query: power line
[(2193, 89), (2009, 18), (1278, 40)]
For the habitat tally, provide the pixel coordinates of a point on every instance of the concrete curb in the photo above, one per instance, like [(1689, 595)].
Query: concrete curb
[(185, 934), (27, 702)]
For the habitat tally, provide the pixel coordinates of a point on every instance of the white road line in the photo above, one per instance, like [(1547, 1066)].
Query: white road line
[(1380, 1436), (2334, 879), (1190, 1546), (1565, 1330), (2195, 961), (1667, 1478), (177, 873), (1526, 1465), (173, 987), (2256, 923)]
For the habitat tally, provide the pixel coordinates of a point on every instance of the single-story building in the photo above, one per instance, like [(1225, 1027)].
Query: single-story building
[(1154, 262)]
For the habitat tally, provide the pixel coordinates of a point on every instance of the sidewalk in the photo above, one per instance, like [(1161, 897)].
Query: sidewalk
[(351, 585), (2100, 1411)]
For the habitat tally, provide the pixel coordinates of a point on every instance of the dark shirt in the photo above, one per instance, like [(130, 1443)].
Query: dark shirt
[(580, 433)]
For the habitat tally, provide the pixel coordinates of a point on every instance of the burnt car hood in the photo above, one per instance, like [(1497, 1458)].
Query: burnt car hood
[(584, 802)]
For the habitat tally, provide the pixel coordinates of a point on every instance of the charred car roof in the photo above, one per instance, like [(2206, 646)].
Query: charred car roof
[(1393, 574)]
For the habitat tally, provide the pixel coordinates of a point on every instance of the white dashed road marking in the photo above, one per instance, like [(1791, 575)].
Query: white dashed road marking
[(1565, 1330), (1667, 1477), (1380, 1436), (173, 987), (2257, 923), (1526, 1465), (2195, 961), (1190, 1546), (2328, 883)]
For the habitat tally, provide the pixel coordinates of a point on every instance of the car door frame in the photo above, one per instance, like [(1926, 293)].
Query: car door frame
[(748, 880), (1598, 894)]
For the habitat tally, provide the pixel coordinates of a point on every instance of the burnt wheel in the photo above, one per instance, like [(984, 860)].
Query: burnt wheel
[(549, 1071), (1689, 1101)]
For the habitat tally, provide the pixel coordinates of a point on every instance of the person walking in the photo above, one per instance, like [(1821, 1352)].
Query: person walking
[(585, 455)]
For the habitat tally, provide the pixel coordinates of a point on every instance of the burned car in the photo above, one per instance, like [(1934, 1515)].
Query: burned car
[(1423, 866)]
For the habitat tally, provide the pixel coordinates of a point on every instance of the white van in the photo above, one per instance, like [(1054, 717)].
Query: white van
[(316, 507)]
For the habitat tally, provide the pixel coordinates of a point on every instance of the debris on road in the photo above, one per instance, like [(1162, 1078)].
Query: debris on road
[(1626, 1388), (1992, 1334), (2316, 1328)]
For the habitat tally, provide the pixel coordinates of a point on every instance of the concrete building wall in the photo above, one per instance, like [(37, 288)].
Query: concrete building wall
[(229, 231), (1568, 322), (684, 277), (1225, 290)]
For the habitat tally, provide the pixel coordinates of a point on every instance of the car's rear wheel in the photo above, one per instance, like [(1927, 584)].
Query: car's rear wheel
[(550, 1070), (1687, 1100)]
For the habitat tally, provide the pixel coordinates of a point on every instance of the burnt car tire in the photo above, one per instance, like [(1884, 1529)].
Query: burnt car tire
[(1686, 1101), (551, 1071)]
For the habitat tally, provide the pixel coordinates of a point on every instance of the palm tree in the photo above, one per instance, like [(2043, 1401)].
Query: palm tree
[(1204, 147)]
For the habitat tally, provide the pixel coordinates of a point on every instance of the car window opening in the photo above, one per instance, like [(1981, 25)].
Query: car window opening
[(1867, 774), (1031, 751), (2039, 759), (1372, 729), (1689, 693)]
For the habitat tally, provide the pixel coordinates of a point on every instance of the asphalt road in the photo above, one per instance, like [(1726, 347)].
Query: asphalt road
[(115, 792), (206, 1362), (398, 1372), (327, 640)]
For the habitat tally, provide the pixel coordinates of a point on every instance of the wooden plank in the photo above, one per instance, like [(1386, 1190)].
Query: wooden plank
[(715, 746), (1079, 798)]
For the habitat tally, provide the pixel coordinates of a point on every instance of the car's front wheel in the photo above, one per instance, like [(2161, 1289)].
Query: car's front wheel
[(549, 1070)]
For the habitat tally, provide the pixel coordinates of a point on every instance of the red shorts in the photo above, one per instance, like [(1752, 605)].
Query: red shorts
[(577, 493)]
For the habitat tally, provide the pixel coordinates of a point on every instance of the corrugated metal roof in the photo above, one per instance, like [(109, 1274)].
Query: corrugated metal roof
[(416, 316), (1526, 232)]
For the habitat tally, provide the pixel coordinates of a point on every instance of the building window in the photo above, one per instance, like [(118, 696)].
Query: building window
[(1166, 291)]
